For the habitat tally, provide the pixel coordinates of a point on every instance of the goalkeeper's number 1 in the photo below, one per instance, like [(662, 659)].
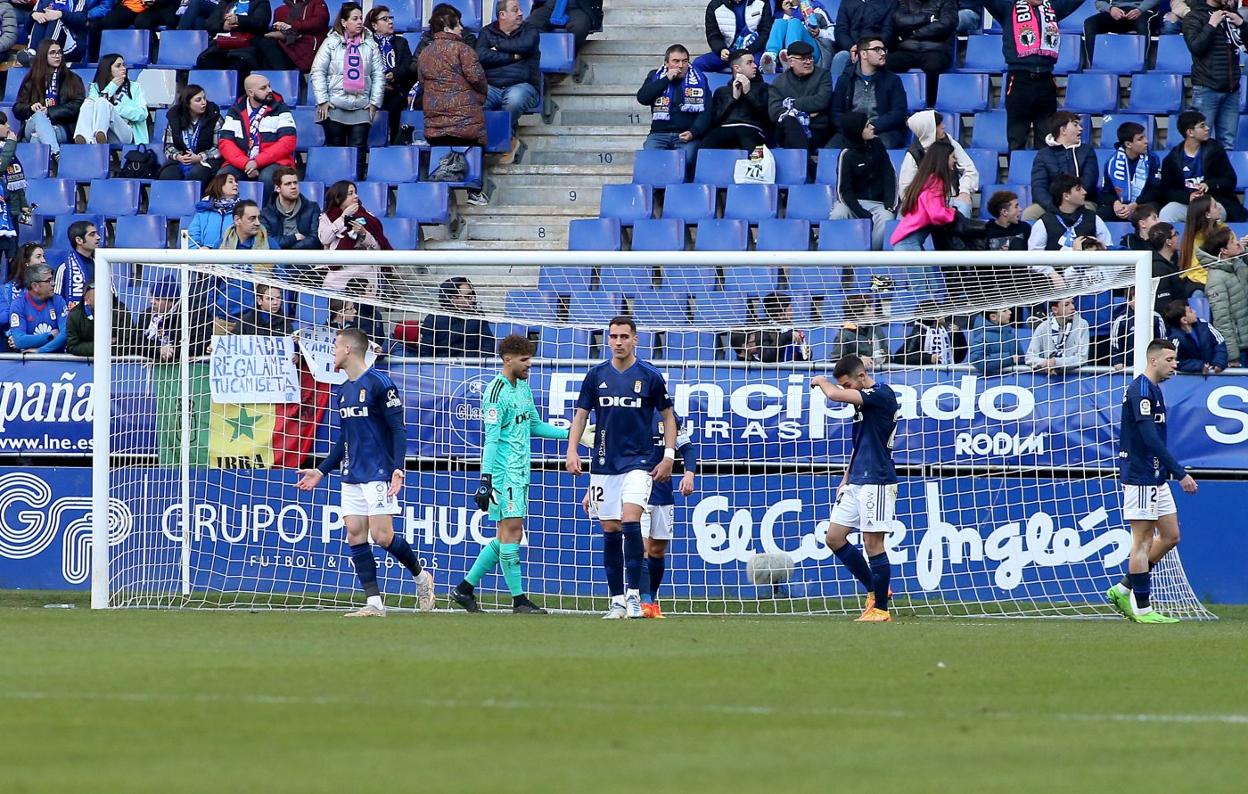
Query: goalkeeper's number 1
[(484, 491)]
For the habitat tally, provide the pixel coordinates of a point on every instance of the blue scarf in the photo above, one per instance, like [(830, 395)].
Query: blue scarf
[(693, 94), (742, 37), (802, 116), (6, 220), (559, 17), (1128, 184), (53, 91), (386, 45)]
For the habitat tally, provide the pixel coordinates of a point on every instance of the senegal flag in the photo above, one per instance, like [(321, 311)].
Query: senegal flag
[(240, 436)]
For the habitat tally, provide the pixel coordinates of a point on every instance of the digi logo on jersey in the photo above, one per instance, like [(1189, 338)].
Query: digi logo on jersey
[(354, 411), (612, 401)]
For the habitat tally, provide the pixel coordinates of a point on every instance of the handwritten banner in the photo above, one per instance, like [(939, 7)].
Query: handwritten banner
[(317, 346), (254, 369)]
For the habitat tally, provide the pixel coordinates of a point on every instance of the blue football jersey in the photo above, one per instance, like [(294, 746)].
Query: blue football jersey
[(1143, 458), (664, 493), (875, 425), (372, 438), (623, 404)]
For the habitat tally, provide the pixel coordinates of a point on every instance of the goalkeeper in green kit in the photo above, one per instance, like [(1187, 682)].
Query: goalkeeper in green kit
[(510, 420)]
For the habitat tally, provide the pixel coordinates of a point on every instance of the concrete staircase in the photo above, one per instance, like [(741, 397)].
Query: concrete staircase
[(593, 125)]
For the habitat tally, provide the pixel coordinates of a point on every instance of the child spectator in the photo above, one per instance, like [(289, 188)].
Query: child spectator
[(1060, 343), (994, 345), (1201, 349), (1007, 231), (1227, 290), (930, 339)]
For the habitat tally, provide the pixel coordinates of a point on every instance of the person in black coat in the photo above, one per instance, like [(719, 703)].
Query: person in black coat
[(865, 180), (582, 17), (926, 30), (1198, 166), (457, 335), (857, 19), (236, 28), (268, 317), (867, 86), (397, 63), (738, 116)]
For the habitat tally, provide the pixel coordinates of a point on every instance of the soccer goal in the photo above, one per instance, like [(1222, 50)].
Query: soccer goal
[(1008, 503)]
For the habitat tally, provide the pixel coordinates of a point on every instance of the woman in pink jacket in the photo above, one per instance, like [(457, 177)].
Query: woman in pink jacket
[(925, 203)]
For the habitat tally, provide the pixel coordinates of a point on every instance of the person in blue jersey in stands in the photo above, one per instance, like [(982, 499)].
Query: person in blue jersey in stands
[(1144, 466), (371, 448), (623, 393), (866, 499), (37, 318)]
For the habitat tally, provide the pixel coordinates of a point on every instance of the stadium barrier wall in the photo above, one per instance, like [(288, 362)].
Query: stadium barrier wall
[(274, 533)]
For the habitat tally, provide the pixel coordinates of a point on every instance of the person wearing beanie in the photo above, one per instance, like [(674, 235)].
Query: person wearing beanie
[(865, 181)]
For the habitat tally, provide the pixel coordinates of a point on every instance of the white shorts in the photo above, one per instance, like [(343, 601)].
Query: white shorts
[(368, 499), (657, 522), (869, 508), (609, 492), (1147, 502)]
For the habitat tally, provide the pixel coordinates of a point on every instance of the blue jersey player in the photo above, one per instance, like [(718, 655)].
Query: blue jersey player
[(623, 393), (866, 499), (1144, 466), (371, 448), (660, 516)]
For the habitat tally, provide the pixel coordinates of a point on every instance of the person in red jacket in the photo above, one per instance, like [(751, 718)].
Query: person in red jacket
[(258, 134)]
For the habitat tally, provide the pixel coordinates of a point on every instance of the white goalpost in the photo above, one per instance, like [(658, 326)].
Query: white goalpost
[(1009, 503)]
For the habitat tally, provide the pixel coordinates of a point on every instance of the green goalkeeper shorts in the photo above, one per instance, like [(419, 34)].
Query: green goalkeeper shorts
[(510, 499)]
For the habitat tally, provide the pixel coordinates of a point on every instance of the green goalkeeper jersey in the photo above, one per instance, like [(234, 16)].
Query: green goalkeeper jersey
[(510, 420)]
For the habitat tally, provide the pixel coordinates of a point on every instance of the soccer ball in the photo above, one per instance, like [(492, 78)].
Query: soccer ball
[(769, 569), (587, 438)]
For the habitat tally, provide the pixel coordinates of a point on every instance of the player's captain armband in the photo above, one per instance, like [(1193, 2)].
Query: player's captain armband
[(1146, 408), (490, 415)]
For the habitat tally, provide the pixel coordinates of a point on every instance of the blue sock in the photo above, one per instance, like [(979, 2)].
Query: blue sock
[(365, 568), (634, 551), (881, 573), (613, 561), (852, 558), (657, 564), (647, 594), (1142, 586), (401, 550)]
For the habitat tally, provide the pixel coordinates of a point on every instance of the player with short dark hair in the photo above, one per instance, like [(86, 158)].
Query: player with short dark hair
[(510, 420), (1144, 466), (371, 448), (867, 495), (623, 392)]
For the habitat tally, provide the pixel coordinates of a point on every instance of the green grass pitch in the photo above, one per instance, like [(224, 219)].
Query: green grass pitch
[(182, 701)]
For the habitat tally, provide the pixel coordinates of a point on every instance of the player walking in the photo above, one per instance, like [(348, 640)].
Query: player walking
[(867, 496), (623, 393), (371, 447), (1144, 465), (660, 516), (510, 419)]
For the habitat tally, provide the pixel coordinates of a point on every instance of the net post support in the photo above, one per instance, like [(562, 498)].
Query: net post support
[(184, 462), (1142, 333), (101, 421)]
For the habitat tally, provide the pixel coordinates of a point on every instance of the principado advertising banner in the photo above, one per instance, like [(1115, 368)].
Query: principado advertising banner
[(948, 417)]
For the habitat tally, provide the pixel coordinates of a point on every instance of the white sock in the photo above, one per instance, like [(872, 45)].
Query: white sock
[(632, 594), (1122, 588), (1135, 608), (375, 601), (617, 599)]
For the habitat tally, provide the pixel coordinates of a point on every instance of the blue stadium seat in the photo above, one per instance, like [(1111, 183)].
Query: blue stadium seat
[(1117, 229), (658, 167), (113, 197), (61, 224), (751, 281), (983, 55), (628, 282), (329, 164), (751, 202), (392, 165), (308, 134), (688, 202), (1239, 161), (16, 76), (530, 304), (1074, 22), (1111, 122), (179, 49), (1091, 93), (985, 162), (962, 93), (1021, 161), (173, 199), (817, 279), (220, 85), (558, 53), (594, 234), (783, 235), (716, 81), (916, 90), (689, 346), (497, 131), (689, 279), (379, 133), (989, 131), (661, 234), (132, 45), (953, 124), (470, 9), (717, 309), (312, 310), (593, 308), (715, 166), (251, 191), (662, 308), (285, 82), (1241, 135), (374, 197), (628, 203), (564, 342), (1157, 94), (54, 196), (403, 233), (1119, 54), (426, 202), (1069, 55), (846, 235), (792, 166), (722, 235), (810, 202), (896, 156), (1023, 191), (564, 280), (140, 231), (407, 16), (36, 158), (825, 170), (1173, 55), (83, 162)]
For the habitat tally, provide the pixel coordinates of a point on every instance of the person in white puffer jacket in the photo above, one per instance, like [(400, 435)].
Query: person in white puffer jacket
[(348, 83)]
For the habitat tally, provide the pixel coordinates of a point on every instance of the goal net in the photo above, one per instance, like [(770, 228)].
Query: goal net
[(1008, 503)]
